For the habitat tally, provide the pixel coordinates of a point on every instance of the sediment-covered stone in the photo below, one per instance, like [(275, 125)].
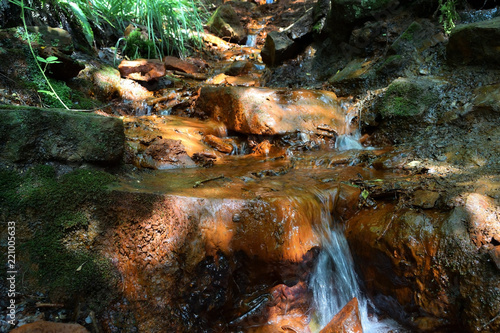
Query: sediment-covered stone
[(47, 326)]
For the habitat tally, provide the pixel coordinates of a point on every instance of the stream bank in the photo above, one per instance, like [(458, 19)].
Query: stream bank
[(211, 222)]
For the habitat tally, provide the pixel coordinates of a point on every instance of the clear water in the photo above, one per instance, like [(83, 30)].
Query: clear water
[(334, 281)]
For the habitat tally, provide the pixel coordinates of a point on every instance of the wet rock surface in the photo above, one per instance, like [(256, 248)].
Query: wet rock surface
[(271, 111), (214, 225), (347, 320)]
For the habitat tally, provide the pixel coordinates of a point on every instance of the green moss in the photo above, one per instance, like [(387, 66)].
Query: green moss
[(138, 46), (406, 97), (57, 203), (409, 33)]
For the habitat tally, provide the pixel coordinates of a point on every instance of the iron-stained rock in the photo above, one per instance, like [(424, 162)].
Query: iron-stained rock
[(267, 111), (347, 320), (142, 69)]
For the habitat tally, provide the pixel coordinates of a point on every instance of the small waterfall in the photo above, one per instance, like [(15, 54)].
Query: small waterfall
[(348, 142), (334, 281), (350, 138), (251, 40)]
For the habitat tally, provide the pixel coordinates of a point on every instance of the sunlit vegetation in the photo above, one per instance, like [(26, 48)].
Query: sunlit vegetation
[(172, 25)]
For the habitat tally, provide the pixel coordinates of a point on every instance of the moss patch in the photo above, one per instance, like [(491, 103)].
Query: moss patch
[(405, 97), (32, 135), (54, 206)]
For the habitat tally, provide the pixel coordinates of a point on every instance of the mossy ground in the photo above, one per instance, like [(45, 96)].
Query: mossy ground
[(53, 207)]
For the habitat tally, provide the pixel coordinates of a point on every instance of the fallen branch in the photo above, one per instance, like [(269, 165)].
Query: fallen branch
[(201, 182), (200, 77), (49, 305)]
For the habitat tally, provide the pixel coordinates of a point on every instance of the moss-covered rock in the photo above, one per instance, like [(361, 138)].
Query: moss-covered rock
[(409, 97), (56, 135), (225, 23), (55, 234)]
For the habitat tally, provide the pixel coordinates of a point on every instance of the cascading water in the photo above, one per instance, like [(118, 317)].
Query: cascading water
[(350, 138), (251, 40), (334, 281)]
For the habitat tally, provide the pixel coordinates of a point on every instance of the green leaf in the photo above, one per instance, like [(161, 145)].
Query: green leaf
[(87, 29), (41, 59), (365, 194), (51, 59)]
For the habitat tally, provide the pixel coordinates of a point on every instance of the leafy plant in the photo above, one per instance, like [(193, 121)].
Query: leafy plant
[(52, 91), (448, 15)]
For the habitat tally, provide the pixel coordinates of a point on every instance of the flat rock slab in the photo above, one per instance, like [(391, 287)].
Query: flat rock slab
[(266, 111), (56, 135)]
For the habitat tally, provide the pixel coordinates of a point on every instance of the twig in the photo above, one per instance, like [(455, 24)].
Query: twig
[(191, 76), (8, 78), (326, 128), (201, 182), (49, 305), (386, 228)]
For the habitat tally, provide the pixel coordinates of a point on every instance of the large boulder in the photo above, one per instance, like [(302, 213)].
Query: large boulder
[(488, 97), (287, 43), (226, 23), (266, 111), (277, 48), (33, 135), (475, 44)]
